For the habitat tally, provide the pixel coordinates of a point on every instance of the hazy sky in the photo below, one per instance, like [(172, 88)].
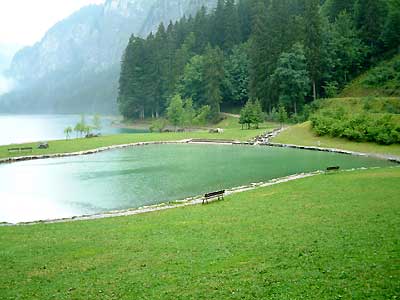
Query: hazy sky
[(24, 22)]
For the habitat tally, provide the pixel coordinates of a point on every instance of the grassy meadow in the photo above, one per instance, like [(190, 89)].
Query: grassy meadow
[(324, 237)]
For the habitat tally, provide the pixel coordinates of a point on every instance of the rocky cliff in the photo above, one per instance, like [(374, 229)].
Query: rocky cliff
[(75, 67)]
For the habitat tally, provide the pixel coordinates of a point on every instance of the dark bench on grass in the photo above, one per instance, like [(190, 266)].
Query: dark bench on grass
[(20, 149), (208, 196), (336, 168)]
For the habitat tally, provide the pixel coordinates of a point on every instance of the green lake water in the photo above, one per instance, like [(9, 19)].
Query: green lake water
[(138, 176)]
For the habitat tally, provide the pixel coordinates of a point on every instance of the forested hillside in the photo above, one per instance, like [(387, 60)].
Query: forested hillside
[(382, 80), (76, 65), (281, 53)]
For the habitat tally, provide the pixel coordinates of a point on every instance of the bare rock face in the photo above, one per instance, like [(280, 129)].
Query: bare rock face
[(75, 67)]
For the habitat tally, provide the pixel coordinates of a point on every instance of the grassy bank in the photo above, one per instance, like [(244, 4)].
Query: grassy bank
[(232, 131), (325, 237), (302, 134)]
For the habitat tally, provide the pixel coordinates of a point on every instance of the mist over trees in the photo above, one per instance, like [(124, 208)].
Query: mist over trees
[(280, 53)]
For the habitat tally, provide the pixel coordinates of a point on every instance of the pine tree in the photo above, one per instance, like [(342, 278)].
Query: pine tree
[(213, 76), (232, 33), (201, 31), (391, 31), (257, 114), (333, 8), (237, 75), (258, 54), (218, 28), (370, 19), (175, 111), (292, 78), (245, 19), (313, 42)]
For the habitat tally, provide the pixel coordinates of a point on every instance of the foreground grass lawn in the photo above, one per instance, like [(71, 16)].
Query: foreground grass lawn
[(232, 131), (303, 135), (327, 237)]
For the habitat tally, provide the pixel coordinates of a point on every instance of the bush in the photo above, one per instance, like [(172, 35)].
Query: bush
[(360, 127), (331, 89), (379, 76), (158, 125), (202, 116)]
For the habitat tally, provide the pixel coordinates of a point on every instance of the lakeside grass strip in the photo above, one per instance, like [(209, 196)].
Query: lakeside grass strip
[(232, 132), (323, 237), (391, 158)]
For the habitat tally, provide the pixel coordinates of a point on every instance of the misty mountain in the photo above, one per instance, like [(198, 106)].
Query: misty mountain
[(75, 67), (6, 55)]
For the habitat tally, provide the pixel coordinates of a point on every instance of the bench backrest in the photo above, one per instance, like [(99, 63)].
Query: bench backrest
[(332, 168), (208, 195)]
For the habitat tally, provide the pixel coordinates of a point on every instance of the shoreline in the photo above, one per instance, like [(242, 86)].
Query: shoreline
[(190, 201), (194, 200), (264, 142)]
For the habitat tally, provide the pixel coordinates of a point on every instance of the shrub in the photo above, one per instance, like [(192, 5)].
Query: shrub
[(359, 127), (379, 76), (158, 125), (331, 89)]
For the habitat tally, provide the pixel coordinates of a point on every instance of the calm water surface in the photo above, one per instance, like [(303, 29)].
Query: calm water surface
[(133, 177), (16, 129)]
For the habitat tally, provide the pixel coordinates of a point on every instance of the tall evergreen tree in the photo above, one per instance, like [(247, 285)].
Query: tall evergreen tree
[(201, 30), (333, 8), (292, 78), (391, 31), (258, 53), (218, 21), (370, 19), (237, 75), (213, 77), (313, 41), (232, 33), (245, 18)]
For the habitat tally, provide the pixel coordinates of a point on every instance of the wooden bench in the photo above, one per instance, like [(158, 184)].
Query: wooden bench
[(208, 196), (336, 168), (20, 149)]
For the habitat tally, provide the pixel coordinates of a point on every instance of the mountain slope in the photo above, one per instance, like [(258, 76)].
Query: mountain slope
[(75, 67)]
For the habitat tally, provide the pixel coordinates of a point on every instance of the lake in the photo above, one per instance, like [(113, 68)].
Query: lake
[(16, 129), (145, 175)]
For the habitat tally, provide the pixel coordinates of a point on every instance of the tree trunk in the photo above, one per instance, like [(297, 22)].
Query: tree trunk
[(314, 90), (295, 108)]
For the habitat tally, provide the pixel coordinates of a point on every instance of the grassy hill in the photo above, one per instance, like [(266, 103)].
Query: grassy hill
[(373, 107), (369, 104), (372, 95), (326, 237), (382, 80)]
